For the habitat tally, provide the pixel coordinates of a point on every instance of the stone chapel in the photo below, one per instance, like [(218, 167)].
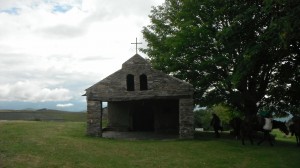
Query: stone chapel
[(140, 98)]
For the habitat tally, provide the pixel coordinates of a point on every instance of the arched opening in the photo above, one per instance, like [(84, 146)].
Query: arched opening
[(130, 82), (143, 82)]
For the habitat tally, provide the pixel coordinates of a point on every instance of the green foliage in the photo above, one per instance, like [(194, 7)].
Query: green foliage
[(225, 113), (202, 119), (241, 53)]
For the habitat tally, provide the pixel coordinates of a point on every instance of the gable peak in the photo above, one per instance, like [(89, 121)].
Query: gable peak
[(135, 61)]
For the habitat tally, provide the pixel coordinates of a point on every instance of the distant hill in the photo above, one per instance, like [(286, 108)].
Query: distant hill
[(42, 115)]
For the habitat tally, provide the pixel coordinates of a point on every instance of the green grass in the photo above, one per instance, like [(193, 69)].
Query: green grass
[(64, 144)]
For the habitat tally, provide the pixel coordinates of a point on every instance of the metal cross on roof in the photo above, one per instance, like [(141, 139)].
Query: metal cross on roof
[(136, 43)]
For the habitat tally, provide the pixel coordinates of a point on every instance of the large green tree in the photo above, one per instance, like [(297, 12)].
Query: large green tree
[(244, 53)]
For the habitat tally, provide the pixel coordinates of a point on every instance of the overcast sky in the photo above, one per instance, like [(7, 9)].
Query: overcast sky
[(52, 50)]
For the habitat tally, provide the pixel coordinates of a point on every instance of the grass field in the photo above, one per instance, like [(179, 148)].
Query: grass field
[(64, 144), (42, 115)]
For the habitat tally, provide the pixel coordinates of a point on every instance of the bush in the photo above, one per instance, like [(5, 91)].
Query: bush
[(202, 119)]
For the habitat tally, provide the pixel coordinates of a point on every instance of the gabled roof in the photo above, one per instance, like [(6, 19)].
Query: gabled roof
[(134, 61), (160, 85)]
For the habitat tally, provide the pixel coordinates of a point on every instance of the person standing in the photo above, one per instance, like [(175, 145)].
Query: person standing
[(267, 128), (216, 124)]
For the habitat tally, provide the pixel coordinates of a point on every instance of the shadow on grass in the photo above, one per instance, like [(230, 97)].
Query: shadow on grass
[(210, 135), (226, 136)]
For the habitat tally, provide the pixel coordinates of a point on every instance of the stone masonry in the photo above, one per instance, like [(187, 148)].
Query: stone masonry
[(186, 118), (94, 118), (140, 91)]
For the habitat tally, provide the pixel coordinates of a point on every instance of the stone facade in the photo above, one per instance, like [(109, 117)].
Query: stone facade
[(186, 118), (94, 118), (141, 98)]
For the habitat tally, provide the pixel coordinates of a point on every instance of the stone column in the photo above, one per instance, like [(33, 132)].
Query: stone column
[(94, 118), (186, 118)]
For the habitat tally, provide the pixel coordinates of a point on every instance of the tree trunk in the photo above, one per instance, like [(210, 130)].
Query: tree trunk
[(250, 109)]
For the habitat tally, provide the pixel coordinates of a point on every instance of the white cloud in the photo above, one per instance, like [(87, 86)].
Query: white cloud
[(65, 105), (53, 50), (33, 92)]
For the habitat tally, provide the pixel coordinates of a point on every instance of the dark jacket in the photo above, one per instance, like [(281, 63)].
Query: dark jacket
[(215, 122)]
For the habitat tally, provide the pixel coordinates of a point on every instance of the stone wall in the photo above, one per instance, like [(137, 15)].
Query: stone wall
[(186, 118), (118, 116), (159, 85), (137, 82), (94, 118)]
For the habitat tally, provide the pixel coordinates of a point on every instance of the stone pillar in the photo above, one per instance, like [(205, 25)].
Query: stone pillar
[(186, 118), (94, 118)]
